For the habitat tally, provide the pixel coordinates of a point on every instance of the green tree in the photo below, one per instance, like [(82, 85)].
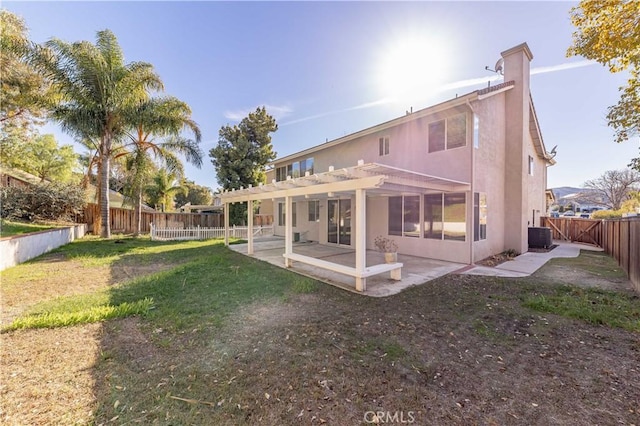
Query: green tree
[(49, 161), (608, 31), (241, 155), (24, 89), (163, 189), (97, 92), (197, 195), (151, 121)]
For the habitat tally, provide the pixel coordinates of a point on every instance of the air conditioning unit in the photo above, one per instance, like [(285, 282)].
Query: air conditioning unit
[(539, 237)]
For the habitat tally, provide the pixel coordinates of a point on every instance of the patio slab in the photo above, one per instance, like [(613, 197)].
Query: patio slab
[(416, 270)]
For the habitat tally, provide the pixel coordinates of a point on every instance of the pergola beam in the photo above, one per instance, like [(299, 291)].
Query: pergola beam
[(339, 186)]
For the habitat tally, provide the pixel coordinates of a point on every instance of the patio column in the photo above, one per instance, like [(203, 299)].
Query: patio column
[(226, 224), (288, 231), (361, 238), (249, 226)]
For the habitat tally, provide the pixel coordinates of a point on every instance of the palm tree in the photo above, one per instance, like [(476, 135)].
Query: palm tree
[(159, 117), (97, 91), (165, 186)]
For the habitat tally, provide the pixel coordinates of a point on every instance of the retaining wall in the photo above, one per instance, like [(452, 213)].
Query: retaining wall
[(20, 248)]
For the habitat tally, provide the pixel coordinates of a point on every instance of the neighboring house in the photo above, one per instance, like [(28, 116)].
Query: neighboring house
[(10, 177), (215, 207), (458, 181)]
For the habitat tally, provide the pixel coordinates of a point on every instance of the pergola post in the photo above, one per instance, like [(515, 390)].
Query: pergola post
[(361, 238), (226, 224), (288, 231), (249, 226)]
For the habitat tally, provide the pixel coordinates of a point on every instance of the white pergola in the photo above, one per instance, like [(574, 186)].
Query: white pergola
[(363, 179)]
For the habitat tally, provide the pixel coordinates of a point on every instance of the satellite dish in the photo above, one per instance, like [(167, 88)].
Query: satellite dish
[(499, 68)]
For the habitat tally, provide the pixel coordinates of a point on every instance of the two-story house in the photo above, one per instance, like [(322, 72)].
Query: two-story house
[(458, 181)]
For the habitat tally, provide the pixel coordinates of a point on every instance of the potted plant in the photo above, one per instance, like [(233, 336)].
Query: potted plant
[(388, 247)]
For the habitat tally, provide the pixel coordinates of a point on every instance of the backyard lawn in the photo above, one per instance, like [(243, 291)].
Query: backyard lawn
[(194, 333), (10, 228)]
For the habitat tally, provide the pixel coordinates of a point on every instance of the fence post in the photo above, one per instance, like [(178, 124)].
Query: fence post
[(152, 231), (199, 233)]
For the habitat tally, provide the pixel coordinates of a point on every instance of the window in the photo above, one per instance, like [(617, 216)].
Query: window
[(448, 134), (479, 216), (455, 227), (436, 136), (395, 215), (383, 146), (295, 170), (282, 215), (433, 216), (404, 216), (476, 131), (530, 166), (294, 216), (314, 211), (457, 131), (445, 216), (281, 219)]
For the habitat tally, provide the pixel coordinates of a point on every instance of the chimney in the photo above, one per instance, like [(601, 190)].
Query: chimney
[(516, 68)]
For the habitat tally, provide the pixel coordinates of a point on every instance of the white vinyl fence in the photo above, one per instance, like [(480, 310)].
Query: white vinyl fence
[(198, 233)]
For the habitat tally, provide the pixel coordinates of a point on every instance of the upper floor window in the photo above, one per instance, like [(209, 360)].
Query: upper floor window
[(530, 166), (295, 169), (448, 133), (476, 131), (383, 146)]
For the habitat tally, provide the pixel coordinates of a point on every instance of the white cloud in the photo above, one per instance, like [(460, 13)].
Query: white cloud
[(562, 67), (449, 86)]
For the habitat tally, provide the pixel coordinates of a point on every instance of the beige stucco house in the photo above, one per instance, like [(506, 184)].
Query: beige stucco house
[(457, 181)]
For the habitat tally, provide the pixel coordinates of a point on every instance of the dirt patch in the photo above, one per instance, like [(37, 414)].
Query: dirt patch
[(46, 376)]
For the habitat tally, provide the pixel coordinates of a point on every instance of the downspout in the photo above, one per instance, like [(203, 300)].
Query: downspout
[(471, 187)]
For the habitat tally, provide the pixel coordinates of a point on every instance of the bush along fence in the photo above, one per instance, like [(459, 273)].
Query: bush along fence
[(124, 221), (619, 238), (199, 233)]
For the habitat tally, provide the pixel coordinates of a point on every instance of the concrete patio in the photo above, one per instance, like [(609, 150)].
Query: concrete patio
[(416, 270)]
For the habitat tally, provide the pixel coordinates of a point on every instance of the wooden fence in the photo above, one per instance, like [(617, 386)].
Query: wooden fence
[(123, 220), (619, 238)]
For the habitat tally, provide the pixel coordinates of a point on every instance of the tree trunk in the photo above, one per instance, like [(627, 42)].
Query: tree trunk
[(105, 231), (138, 214)]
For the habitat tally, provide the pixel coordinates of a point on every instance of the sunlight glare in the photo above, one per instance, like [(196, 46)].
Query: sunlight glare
[(412, 66)]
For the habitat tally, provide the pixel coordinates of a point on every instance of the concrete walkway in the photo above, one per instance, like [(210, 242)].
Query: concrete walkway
[(527, 263)]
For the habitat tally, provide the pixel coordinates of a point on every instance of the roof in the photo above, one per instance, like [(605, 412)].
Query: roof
[(451, 103), (20, 175), (536, 135)]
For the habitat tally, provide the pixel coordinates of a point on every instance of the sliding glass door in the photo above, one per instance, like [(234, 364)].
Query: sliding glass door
[(339, 222)]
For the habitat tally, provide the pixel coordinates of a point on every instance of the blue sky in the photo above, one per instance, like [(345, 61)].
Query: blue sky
[(327, 69)]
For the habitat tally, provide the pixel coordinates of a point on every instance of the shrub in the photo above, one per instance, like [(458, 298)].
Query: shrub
[(44, 201)]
